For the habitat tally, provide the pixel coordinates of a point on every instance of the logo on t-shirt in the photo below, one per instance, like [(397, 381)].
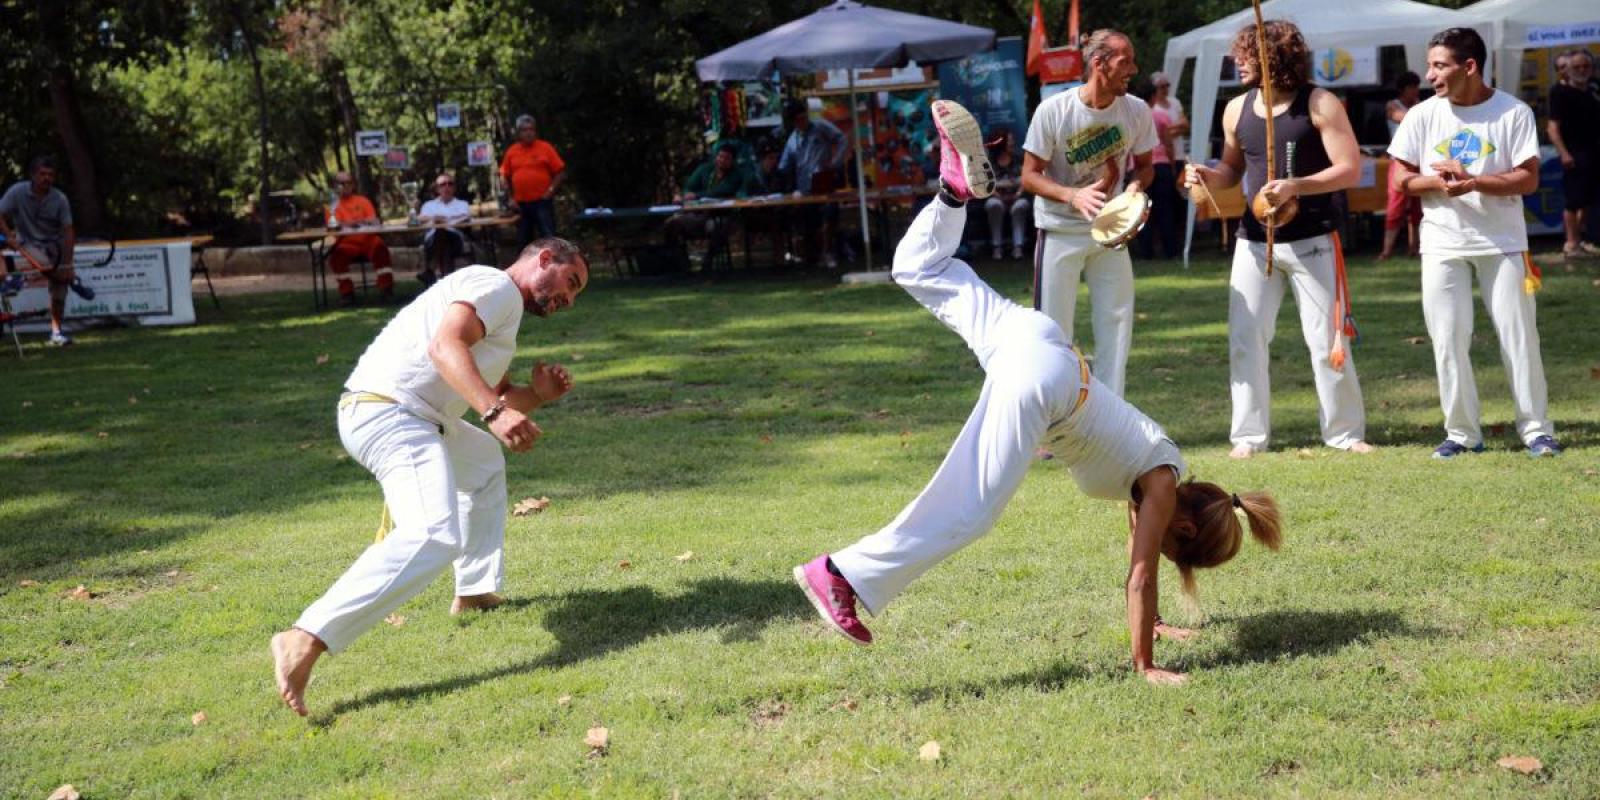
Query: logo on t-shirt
[(1466, 147), (1094, 144)]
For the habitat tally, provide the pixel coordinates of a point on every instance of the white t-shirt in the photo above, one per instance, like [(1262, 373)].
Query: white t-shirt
[(397, 365), (456, 210), (1077, 140), (1109, 444), (1488, 138)]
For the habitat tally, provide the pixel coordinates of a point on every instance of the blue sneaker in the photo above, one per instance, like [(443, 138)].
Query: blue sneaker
[(82, 289), (1544, 446), (13, 283), (1452, 448)]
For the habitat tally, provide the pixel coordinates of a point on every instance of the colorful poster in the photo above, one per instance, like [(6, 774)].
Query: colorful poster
[(397, 158), (447, 115), (763, 105), (371, 143), (480, 154), (991, 86)]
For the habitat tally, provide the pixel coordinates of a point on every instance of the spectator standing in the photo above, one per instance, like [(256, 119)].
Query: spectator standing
[(441, 246), (1176, 119), (1008, 199), (1574, 128), (1165, 202), (354, 211), (35, 215), (814, 148), (1401, 209), (1471, 153), (534, 171)]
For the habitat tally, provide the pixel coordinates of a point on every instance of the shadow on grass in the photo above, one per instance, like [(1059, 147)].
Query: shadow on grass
[(1257, 639), (591, 623)]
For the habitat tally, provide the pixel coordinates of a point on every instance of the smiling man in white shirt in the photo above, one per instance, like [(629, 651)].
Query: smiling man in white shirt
[(442, 245)]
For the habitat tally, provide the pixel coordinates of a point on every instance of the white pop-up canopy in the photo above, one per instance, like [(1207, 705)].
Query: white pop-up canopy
[(1519, 25), (1325, 23)]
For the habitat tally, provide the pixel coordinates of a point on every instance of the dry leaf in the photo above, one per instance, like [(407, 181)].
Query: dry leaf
[(930, 751), (198, 719), (133, 400), (322, 359), (81, 593), (65, 791), (844, 705), (684, 556), (1304, 452), (1594, 373), (103, 435), (306, 445), (395, 620), (27, 404), (1526, 765), (1416, 340), (1591, 472), (766, 438), (529, 505), (769, 713), (598, 740), (564, 700), (1497, 429), (624, 564), (172, 573), (25, 583), (870, 332), (577, 356)]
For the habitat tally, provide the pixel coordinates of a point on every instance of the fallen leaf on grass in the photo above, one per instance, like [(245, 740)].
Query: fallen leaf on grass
[(65, 791), (306, 445), (198, 719), (1303, 452), (686, 555), (322, 359), (1591, 472), (844, 705), (172, 573), (564, 700), (870, 333), (133, 400), (577, 356), (624, 564), (395, 620), (1497, 429), (769, 713), (1526, 765), (1594, 373), (766, 438), (1416, 340), (81, 593), (27, 404), (103, 435), (529, 505), (25, 583), (598, 740), (930, 751)]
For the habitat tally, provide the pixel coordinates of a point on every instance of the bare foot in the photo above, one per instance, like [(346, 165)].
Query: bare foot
[(1385, 255), (1361, 447), (479, 602), (1165, 677), (1241, 451), (293, 653), (1176, 634)]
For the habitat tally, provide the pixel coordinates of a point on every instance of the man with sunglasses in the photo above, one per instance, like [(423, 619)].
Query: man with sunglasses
[(442, 245), (352, 211)]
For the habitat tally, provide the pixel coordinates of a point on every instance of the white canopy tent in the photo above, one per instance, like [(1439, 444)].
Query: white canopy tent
[(1518, 25), (1325, 23)]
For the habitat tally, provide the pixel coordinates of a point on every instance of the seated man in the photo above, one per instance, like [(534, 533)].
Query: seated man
[(36, 220), (441, 246), (353, 211), (717, 179)]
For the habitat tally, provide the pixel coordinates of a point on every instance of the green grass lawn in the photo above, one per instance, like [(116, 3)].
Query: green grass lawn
[(1423, 620)]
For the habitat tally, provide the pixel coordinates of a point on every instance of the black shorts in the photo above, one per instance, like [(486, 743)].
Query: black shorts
[(1580, 185)]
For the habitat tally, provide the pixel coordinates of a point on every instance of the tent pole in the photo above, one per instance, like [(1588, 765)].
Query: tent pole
[(861, 174)]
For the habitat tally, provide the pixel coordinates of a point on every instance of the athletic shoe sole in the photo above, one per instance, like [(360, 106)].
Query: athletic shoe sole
[(960, 129), (821, 605)]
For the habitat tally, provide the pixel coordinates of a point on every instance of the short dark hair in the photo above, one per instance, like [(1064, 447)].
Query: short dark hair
[(793, 107), (561, 250), (728, 147), (1463, 44), (41, 162), (1406, 80)]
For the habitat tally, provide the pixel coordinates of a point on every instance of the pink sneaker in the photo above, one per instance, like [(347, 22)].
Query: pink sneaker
[(963, 163), (833, 598)]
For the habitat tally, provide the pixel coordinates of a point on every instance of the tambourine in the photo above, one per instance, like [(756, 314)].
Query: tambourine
[(1120, 219)]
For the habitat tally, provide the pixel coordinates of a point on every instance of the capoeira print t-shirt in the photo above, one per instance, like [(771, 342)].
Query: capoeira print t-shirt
[(1491, 137), (1078, 141), (397, 365)]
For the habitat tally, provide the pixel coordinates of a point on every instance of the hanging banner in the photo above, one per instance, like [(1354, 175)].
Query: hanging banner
[(447, 115), (1340, 66), (372, 143), (991, 86), (1060, 65), (1558, 35)]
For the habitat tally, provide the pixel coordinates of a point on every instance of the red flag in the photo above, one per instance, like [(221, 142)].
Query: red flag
[(1072, 24), (1036, 41)]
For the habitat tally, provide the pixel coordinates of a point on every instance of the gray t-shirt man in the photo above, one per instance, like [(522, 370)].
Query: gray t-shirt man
[(38, 220)]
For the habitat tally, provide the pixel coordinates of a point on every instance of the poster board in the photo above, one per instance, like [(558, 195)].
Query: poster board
[(147, 282)]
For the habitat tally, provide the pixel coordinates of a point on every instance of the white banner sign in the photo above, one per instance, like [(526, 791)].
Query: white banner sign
[(1558, 35), (149, 282), (1340, 66)]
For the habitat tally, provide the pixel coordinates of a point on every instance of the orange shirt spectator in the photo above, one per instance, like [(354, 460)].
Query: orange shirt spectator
[(530, 168)]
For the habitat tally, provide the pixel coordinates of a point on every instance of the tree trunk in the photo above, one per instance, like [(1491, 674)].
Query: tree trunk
[(89, 207), (352, 122), (263, 210)]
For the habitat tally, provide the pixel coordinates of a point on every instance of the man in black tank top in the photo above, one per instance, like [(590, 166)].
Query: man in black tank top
[(1316, 159)]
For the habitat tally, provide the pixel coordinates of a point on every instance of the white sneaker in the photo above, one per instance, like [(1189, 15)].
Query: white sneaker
[(829, 262), (59, 339)]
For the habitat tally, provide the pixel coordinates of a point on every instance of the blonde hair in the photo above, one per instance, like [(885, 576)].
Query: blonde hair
[(1205, 532)]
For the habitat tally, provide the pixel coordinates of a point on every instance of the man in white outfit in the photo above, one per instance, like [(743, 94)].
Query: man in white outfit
[(1074, 157), (443, 479), (1471, 152), (1307, 255)]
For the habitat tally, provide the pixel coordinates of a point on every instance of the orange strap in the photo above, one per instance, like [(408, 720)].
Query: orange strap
[(1532, 278)]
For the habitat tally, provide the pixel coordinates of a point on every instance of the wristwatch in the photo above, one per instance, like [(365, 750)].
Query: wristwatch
[(493, 411)]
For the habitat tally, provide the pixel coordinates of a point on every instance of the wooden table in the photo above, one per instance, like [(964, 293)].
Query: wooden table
[(319, 241)]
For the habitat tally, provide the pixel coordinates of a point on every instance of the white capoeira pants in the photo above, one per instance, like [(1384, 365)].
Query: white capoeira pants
[(1060, 259), (1447, 309), (1031, 379), (447, 495), (1021, 213), (1306, 267)]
